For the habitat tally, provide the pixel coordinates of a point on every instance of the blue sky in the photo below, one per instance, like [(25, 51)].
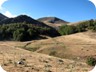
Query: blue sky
[(68, 10)]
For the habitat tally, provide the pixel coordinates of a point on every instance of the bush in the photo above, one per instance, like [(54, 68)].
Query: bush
[(76, 28), (66, 30), (91, 61), (81, 28), (52, 53)]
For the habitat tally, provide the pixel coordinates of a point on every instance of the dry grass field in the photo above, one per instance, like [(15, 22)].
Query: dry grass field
[(77, 46), (35, 62), (70, 54), (56, 25)]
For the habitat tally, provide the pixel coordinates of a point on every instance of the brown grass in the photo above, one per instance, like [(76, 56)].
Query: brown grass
[(35, 62), (72, 48)]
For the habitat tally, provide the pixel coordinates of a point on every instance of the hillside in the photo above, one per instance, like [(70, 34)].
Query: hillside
[(52, 21), (76, 23), (24, 28), (29, 45), (10, 55), (76, 46), (2, 17), (21, 19)]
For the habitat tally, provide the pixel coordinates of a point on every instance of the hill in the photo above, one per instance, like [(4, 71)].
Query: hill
[(25, 32), (76, 46), (21, 19), (22, 25), (66, 53), (2, 17), (10, 56), (52, 21)]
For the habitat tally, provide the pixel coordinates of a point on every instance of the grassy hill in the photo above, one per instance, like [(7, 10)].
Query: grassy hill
[(52, 52), (10, 55), (65, 53), (76, 46)]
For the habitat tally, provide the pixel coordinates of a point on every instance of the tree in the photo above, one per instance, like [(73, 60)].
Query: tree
[(81, 28), (18, 35), (66, 30), (31, 34)]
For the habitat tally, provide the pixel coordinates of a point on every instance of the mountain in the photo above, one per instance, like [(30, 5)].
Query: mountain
[(21, 19), (2, 17), (63, 53), (52, 21), (27, 26)]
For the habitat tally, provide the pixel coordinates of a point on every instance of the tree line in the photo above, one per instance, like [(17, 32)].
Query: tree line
[(23, 31), (80, 27)]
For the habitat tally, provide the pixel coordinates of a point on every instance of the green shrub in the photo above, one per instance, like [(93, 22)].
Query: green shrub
[(66, 30), (52, 53), (81, 27), (91, 61)]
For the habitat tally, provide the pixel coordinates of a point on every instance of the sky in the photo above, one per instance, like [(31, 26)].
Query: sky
[(68, 10)]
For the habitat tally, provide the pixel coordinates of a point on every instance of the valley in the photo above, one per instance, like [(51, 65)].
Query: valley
[(48, 44)]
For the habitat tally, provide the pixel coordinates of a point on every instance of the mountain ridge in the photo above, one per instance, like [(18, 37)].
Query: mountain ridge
[(21, 19), (52, 20), (2, 17)]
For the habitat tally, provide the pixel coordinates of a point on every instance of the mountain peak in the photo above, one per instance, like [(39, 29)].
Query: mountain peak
[(52, 20)]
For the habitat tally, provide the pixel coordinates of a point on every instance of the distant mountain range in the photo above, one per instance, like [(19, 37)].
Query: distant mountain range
[(44, 21), (21, 19)]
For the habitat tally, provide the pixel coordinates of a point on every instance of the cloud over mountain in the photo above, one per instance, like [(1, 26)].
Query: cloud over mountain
[(9, 14), (6, 12)]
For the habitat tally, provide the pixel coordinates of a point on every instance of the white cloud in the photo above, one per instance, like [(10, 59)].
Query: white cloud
[(2, 2), (94, 2), (8, 14)]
